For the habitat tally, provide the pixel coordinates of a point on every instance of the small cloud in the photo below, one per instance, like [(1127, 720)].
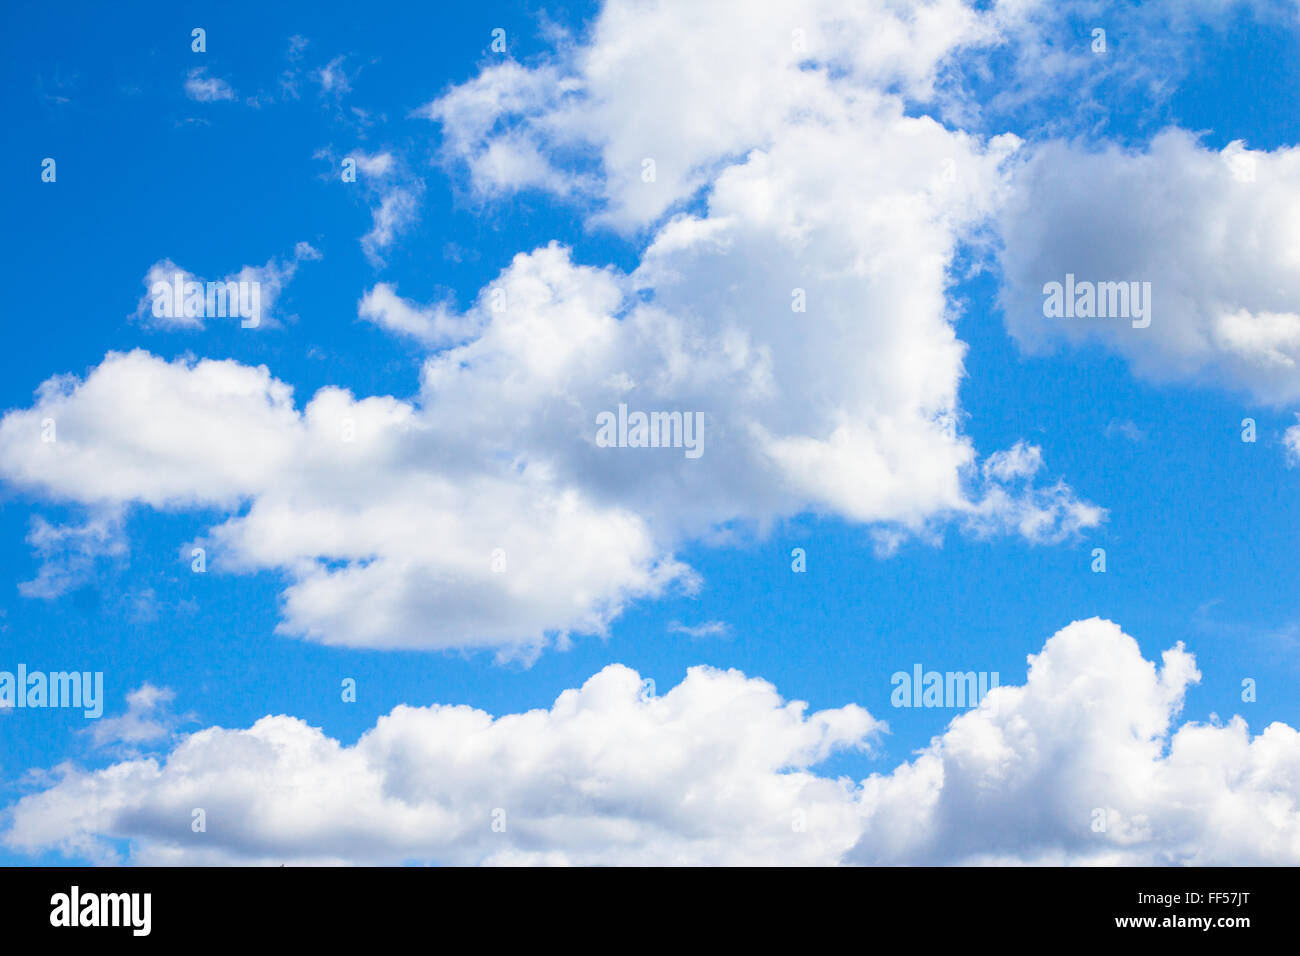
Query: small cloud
[(290, 77), (165, 302), (697, 631), (429, 325), (394, 194), (1125, 429), (1291, 441), (378, 164), (207, 89), (333, 79), (1020, 461), (56, 91), (143, 606), (148, 718), (454, 252), (1009, 501), (396, 211), (68, 552)]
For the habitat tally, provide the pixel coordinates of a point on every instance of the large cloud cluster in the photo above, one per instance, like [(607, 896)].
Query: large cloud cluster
[(1084, 763), (799, 306)]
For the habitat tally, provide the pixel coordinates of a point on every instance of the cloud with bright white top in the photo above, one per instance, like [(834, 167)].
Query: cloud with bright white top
[(1085, 763), (800, 306)]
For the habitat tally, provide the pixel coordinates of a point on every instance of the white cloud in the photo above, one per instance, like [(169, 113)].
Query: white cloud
[(392, 190), (509, 159), (710, 770), (397, 211), (1009, 503), (207, 89), (1020, 461), (69, 552), (1093, 729), (407, 523), (333, 78), (270, 280), (431, 326), (228, 418), (1217, 234), (375, 164), (1291, 442), (800, 309), (633, 92), (719, 770), (508, 420), (147, 719), (696, 631)]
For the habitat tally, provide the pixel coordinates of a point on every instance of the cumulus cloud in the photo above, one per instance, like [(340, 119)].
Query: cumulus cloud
[(372, 518), (220, 406), (633, 93), (799, 311), (1215, 233), (712, 769), (376, 507), (1083, 763)]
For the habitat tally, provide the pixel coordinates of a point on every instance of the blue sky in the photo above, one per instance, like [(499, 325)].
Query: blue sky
[(1200, 527)]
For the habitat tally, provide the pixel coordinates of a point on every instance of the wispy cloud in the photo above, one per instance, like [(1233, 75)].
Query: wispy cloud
[(696, 631), (207, 89)]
